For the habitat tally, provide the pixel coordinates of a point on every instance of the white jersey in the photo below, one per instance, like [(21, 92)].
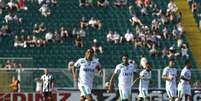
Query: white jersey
[(125, 74), (186, 73), (87, 70), (170, 72), (46, 82), (144, 83)]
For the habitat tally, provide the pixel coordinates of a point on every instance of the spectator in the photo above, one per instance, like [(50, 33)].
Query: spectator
[(29, 41), (39, 28), (194, 7), (40, 43), (120, 3), (172, 7), (171, 53), (2, 6), (36, 29), (147, 2), (45, 11), (144, 11), (117, 38), (110, 36), (139, 3), (11, 5), (57, 37), (135, 20), (15, 85), (153, 51), (21, 5), (64, 33), (165, 33), (95, 23), (83, 23), (79, 41), (83, 3), (164, 52), (97, 47), (49, 36), (129, 36), (179, 43), (102, 3), (8, 18), (184, 51), (82, 34), (18, 42)]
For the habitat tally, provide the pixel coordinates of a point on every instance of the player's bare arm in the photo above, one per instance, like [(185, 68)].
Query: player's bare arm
[(74, 73), (165, 77)]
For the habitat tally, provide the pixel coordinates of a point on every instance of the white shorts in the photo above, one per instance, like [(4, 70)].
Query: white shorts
[(143, 93), (125, 93), (183, 89), (171, 92), (84, 89)]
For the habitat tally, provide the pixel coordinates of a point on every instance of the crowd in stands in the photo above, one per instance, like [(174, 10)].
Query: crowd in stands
[(195, 6), (144, 36), (11, 64), (151, 36), (103, 3)]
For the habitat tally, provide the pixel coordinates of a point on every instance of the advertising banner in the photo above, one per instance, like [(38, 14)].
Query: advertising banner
[(98, 95)]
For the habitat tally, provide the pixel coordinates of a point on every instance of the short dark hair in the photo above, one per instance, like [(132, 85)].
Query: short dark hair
[(125, 54), (90, 49), (187, 62)]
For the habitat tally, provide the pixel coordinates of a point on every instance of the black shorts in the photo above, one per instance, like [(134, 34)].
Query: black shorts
[(47, 94)]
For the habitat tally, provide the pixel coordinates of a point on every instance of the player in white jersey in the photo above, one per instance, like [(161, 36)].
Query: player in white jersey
[(87, 68), (145, 76), (125, 72), (47, 85), (184, 88), (170, 74)]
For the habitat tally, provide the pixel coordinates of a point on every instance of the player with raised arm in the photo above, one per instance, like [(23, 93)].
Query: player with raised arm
[(184, 87), (170, 74), (145, 76), (87, 68), (125, 72)]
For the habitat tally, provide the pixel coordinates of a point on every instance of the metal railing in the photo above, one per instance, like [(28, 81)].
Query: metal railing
[(63, 78)]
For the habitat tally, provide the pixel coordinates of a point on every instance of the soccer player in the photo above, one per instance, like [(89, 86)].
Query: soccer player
[(184, 88), (47, 85), (170, 74), (87, 66), (145, 76), (125, 77)]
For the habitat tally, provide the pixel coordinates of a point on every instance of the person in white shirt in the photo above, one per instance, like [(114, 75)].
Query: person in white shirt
[(87, 68), (184, 87), (170, 74), (125, 71), (145, 76), (47, 85), (184, 51), (8, 18), (129, 36), (172, 6)]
